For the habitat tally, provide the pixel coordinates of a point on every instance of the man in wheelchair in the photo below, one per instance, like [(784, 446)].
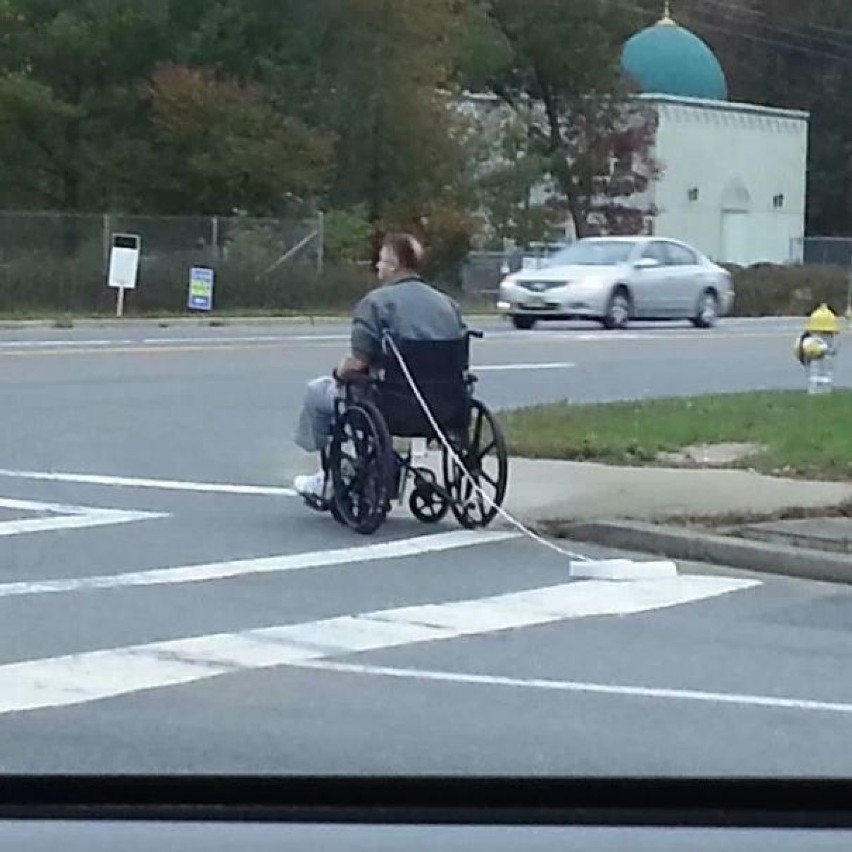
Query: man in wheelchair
[(407, 376), (409, 309)]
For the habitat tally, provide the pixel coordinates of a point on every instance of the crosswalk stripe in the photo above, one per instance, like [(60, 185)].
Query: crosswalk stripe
[(161, 484), (417, 546), (65, 517), (91, 676)]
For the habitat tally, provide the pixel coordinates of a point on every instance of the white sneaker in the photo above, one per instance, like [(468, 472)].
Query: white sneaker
[(312, 486)]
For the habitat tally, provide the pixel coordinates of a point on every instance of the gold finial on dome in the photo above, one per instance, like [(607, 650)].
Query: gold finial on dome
[(667, 15)]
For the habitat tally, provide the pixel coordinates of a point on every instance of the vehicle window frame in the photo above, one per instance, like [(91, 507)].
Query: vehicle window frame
[(550, 261), (672, 248), (661, 244)]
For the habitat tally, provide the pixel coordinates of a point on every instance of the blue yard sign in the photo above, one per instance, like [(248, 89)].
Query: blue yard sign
[(201, 288)]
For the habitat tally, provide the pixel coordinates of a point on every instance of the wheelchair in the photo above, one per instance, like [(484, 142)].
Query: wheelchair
[(365, 473)]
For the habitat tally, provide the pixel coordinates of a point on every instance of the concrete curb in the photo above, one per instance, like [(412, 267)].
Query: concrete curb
[(804, 541), (697, 546)]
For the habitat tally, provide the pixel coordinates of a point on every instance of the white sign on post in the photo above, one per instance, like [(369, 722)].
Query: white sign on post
[(123, 266)]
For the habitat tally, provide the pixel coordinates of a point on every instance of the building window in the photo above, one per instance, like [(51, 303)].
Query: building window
[(778, 201), (692, 193)]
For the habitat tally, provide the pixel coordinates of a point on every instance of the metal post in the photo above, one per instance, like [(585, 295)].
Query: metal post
[(849, 294), (320, 242), (107, 242), (214, 237), (119, 305)]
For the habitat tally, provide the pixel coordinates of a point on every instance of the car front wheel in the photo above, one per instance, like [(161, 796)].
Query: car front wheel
[(707, 312), (617, 310), (523, 323)]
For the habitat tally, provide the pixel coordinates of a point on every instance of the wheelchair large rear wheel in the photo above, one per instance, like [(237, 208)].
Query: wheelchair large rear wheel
[(483, 451), (361, 466)]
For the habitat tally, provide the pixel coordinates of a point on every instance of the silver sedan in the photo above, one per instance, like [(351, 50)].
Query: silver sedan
[(616, 279)]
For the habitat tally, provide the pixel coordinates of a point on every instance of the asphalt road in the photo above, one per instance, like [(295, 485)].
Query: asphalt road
[(157, 615)]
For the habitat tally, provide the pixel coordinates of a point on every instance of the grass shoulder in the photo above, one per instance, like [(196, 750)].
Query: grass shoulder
[(786, 433)]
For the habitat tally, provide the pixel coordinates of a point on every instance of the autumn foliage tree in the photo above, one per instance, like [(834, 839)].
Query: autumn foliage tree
[(205, 106), (556, 65), (224, 145)]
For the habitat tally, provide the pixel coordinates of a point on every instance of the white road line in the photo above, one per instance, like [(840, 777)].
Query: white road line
[(101, 518), (16, 505), (91, 676), (492, 336), (211, 339), (168, 341), (580, 686), (64, 517), (69, 344), (495, 368), (268, 565), (163, 484), (257, 338)]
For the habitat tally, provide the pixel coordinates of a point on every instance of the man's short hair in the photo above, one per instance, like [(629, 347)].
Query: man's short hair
[(408, 250)]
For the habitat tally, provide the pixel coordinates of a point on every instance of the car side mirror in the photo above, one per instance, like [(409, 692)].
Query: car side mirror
[(646, 263)]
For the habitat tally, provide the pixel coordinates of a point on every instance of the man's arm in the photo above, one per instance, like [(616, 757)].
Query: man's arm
[(365, 341), (349, 367)]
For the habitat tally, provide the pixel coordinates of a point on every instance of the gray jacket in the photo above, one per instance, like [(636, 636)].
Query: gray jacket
[(409, 309)]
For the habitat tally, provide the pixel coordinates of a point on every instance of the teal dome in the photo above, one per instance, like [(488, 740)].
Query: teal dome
[(667, 59)]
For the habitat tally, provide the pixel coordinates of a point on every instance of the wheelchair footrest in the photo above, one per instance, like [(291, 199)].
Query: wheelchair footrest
[(315, 503)]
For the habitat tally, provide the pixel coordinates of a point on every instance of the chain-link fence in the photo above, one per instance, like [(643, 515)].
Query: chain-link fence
[(59, 262), (483, 270), (823, 251)]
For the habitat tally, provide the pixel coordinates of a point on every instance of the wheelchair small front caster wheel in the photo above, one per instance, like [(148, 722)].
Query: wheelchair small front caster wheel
[(427, 504)]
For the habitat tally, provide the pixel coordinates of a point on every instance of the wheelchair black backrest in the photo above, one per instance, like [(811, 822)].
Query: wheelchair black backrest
[(439, 369)]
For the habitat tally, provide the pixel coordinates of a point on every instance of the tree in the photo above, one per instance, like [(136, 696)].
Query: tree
[(557, 65), (205, 104), (71, 119), (508, 174), (385, 62), (224, 145), (370, 72), (403, 153)]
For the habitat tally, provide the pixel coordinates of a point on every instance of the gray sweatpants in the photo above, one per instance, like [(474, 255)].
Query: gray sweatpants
[(317, 413)]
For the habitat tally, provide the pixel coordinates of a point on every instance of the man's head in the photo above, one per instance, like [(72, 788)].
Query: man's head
[(401, 254)]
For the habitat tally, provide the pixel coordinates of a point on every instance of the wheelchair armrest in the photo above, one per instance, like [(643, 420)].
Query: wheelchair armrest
[(358, 379), (356, 386)]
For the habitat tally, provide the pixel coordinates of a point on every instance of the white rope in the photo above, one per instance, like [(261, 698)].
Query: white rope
[(457, 461)]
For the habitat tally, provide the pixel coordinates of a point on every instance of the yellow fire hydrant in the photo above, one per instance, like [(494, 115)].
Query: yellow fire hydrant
[(817, 347)]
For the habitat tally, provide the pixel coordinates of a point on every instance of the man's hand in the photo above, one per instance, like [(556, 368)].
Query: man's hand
[(349, 367)]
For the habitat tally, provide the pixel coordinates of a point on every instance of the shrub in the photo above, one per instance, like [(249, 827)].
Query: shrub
[(768, 290)]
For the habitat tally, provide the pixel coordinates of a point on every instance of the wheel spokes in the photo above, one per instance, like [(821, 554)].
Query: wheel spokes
[(360, 469), (477, 490)]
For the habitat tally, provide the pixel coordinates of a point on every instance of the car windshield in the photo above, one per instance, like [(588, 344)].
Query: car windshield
[(593, 253), (266, 508)]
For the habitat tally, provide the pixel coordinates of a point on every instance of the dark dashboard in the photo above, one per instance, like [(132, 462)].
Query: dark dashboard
[(258, 814)]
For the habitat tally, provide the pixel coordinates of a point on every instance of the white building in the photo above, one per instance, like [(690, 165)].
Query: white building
[(733, 179), (732, 175)]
